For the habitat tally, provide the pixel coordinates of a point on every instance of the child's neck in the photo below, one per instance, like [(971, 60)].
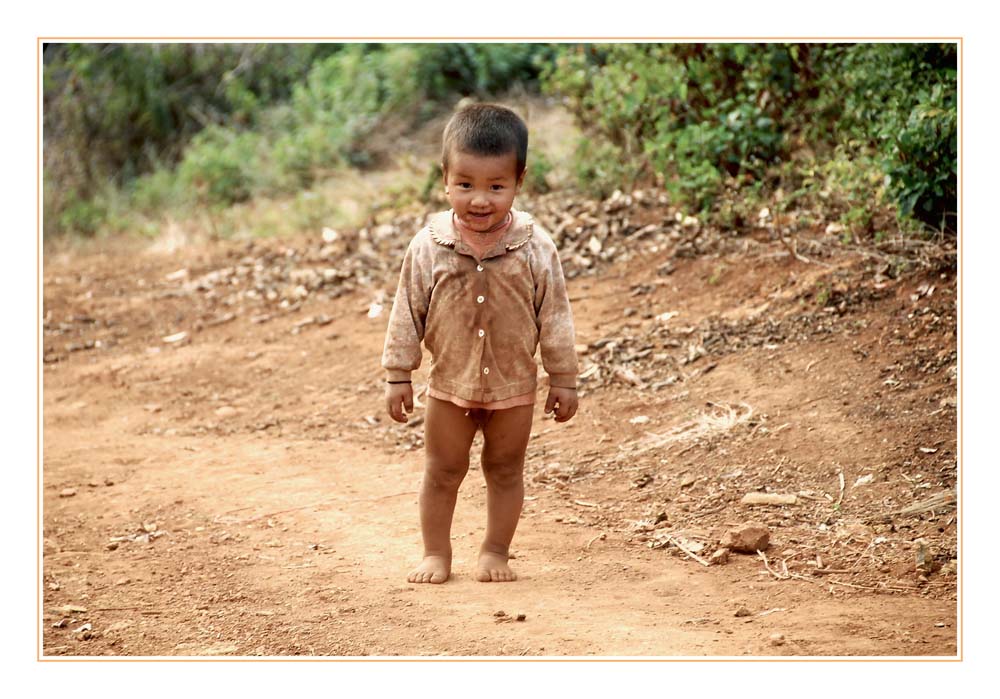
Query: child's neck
[(482, 241), (490, 234)]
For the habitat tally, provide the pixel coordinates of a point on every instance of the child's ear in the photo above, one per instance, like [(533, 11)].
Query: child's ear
[(520, 179)]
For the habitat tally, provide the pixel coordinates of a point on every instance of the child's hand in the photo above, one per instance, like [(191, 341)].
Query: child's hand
[(563, 401), (397, 397)]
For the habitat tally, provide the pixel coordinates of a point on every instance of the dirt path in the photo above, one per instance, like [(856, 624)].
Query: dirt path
[(240, 493)]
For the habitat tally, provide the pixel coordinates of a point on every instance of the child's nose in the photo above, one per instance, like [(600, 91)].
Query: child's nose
[(479, 198)]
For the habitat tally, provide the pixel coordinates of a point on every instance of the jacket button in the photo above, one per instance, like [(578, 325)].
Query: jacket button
[(481, 332), (480, 299), (479, 268), (486, 370)]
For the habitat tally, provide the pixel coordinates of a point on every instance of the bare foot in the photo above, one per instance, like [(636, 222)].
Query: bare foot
[(433, 569), (493, 568)]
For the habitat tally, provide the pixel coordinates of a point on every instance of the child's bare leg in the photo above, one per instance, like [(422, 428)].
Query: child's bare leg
[(448, 434), (505, 441)]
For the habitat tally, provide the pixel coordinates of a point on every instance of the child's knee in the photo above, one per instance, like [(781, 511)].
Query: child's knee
[(446, 475), (504, 472)]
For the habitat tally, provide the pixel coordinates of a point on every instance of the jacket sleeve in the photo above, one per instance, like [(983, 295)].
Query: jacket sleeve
[(401, 352), (556, 334)]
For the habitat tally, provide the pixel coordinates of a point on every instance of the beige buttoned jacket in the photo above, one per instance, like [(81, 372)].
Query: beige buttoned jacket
[(482, 319)]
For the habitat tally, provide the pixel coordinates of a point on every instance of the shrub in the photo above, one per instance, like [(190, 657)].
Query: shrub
[(698, 115), (691, 113), (218, 166), (900, 100)]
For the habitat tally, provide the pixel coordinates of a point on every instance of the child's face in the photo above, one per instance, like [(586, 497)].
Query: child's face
[(481, 188)]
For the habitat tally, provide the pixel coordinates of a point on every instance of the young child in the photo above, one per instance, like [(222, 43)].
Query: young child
[(482, 287)]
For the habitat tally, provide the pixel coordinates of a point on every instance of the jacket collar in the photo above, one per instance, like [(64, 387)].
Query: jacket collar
[(521, 229)]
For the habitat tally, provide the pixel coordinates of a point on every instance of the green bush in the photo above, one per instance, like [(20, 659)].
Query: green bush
[(923, 162), (703, 116), (537, 172), (156, 191), (219, 165), (81, 216), (691, 113), (900, 101), (482, 70), (219, 123)]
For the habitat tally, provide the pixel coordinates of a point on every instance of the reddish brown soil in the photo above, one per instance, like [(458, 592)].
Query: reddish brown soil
[(241, 492)]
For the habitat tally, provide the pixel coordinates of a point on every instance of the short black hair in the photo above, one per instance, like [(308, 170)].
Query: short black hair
[(486, 129)]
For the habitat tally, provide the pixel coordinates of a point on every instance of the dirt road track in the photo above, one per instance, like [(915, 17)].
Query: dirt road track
[(230, 498)]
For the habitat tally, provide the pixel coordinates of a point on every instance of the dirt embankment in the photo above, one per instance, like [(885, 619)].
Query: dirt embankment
[(220, 479)]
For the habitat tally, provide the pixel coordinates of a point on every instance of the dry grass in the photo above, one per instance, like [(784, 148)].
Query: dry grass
[(718, 420)]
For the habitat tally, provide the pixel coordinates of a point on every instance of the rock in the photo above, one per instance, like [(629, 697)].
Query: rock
[(175, 338), (743, 611), (777, 639), (720, 557), (112, 546), (521, 617), (94, 484), (67, 492), (639, 420), (643, 480), (226, 411), (749, 538), (864, 480), (768, 499), (217, 649)]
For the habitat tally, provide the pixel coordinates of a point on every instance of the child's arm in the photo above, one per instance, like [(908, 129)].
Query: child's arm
[(556, 334), (401, 353)]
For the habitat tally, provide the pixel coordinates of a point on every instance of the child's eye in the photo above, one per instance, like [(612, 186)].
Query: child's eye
[(464, 185), (497, 187)]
